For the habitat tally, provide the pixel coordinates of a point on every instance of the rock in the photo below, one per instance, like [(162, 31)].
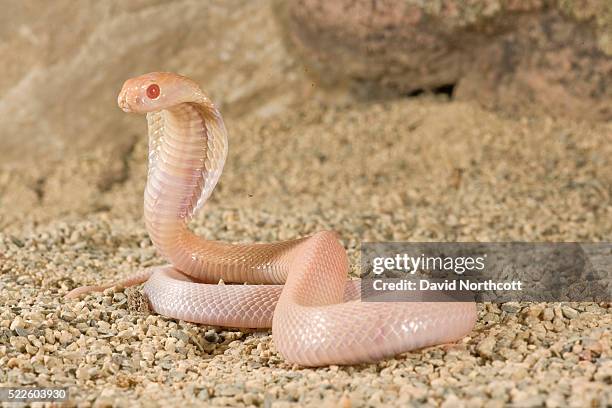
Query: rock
[(180, 335), (17, 323), (59, 91), (137, 301), (343, 402), (511, 307), (452, 401), (513, 55), (19, 343), (228, 390), (106, 399), (21, 332), (548, 314), (251, 399), (604, 372), (211, 336), (65, 337), (82, 373), (568, 312), (524, 399), (485, 347)]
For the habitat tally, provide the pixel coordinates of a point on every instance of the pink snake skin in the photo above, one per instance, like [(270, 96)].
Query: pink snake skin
[(298, 287)]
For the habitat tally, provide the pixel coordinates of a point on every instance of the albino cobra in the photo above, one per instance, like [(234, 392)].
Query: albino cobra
[(316, 317)]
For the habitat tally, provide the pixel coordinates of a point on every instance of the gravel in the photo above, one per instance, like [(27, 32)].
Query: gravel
[(419, 170)]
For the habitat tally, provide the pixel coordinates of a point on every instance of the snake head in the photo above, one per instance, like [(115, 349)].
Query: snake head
[(156, 91)]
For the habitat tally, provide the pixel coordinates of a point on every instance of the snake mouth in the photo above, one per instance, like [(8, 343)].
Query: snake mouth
[(123, 103)]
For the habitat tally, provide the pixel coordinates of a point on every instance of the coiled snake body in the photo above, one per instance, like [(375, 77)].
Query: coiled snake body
[(314, 311)]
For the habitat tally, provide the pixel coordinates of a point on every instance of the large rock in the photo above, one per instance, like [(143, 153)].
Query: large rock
[(551, 56), (64, 63)]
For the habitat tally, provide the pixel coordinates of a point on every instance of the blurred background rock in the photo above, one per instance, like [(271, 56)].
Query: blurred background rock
[(551, 56), (64, 142), (64, 62)]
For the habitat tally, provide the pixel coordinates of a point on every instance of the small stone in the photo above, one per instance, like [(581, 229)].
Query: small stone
[(569, 313), (17, 323), (211, 336), (31, 350), (511, 307), (485, 347), (252, 399), (103, 326), (68, 316), (595, 346), (452, 401), (124, 380), (180, 335), (227, 391), (105, 399), (22, 332), (137, 301), (345, 401), (82, 373), (19, 343), (203, 395), (13, 362), (548, 314), (534, 311), (376, 398), (17, 242), (555, 400), (604, 372), (65, 337)]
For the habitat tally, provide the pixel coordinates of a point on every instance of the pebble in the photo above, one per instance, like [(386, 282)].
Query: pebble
[(548, 314), (511, 307), (569, 313), (211, 336), (485, 347)]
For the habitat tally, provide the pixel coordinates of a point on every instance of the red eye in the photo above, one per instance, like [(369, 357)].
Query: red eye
[(153, 91)]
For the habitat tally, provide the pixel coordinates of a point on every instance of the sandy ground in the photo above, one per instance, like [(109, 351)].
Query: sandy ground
[(422, 169)]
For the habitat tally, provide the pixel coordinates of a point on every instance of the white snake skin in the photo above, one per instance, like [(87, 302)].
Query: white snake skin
[(298, 287)]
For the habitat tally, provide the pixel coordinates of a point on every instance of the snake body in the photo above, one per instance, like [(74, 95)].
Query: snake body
[(304, 295)]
